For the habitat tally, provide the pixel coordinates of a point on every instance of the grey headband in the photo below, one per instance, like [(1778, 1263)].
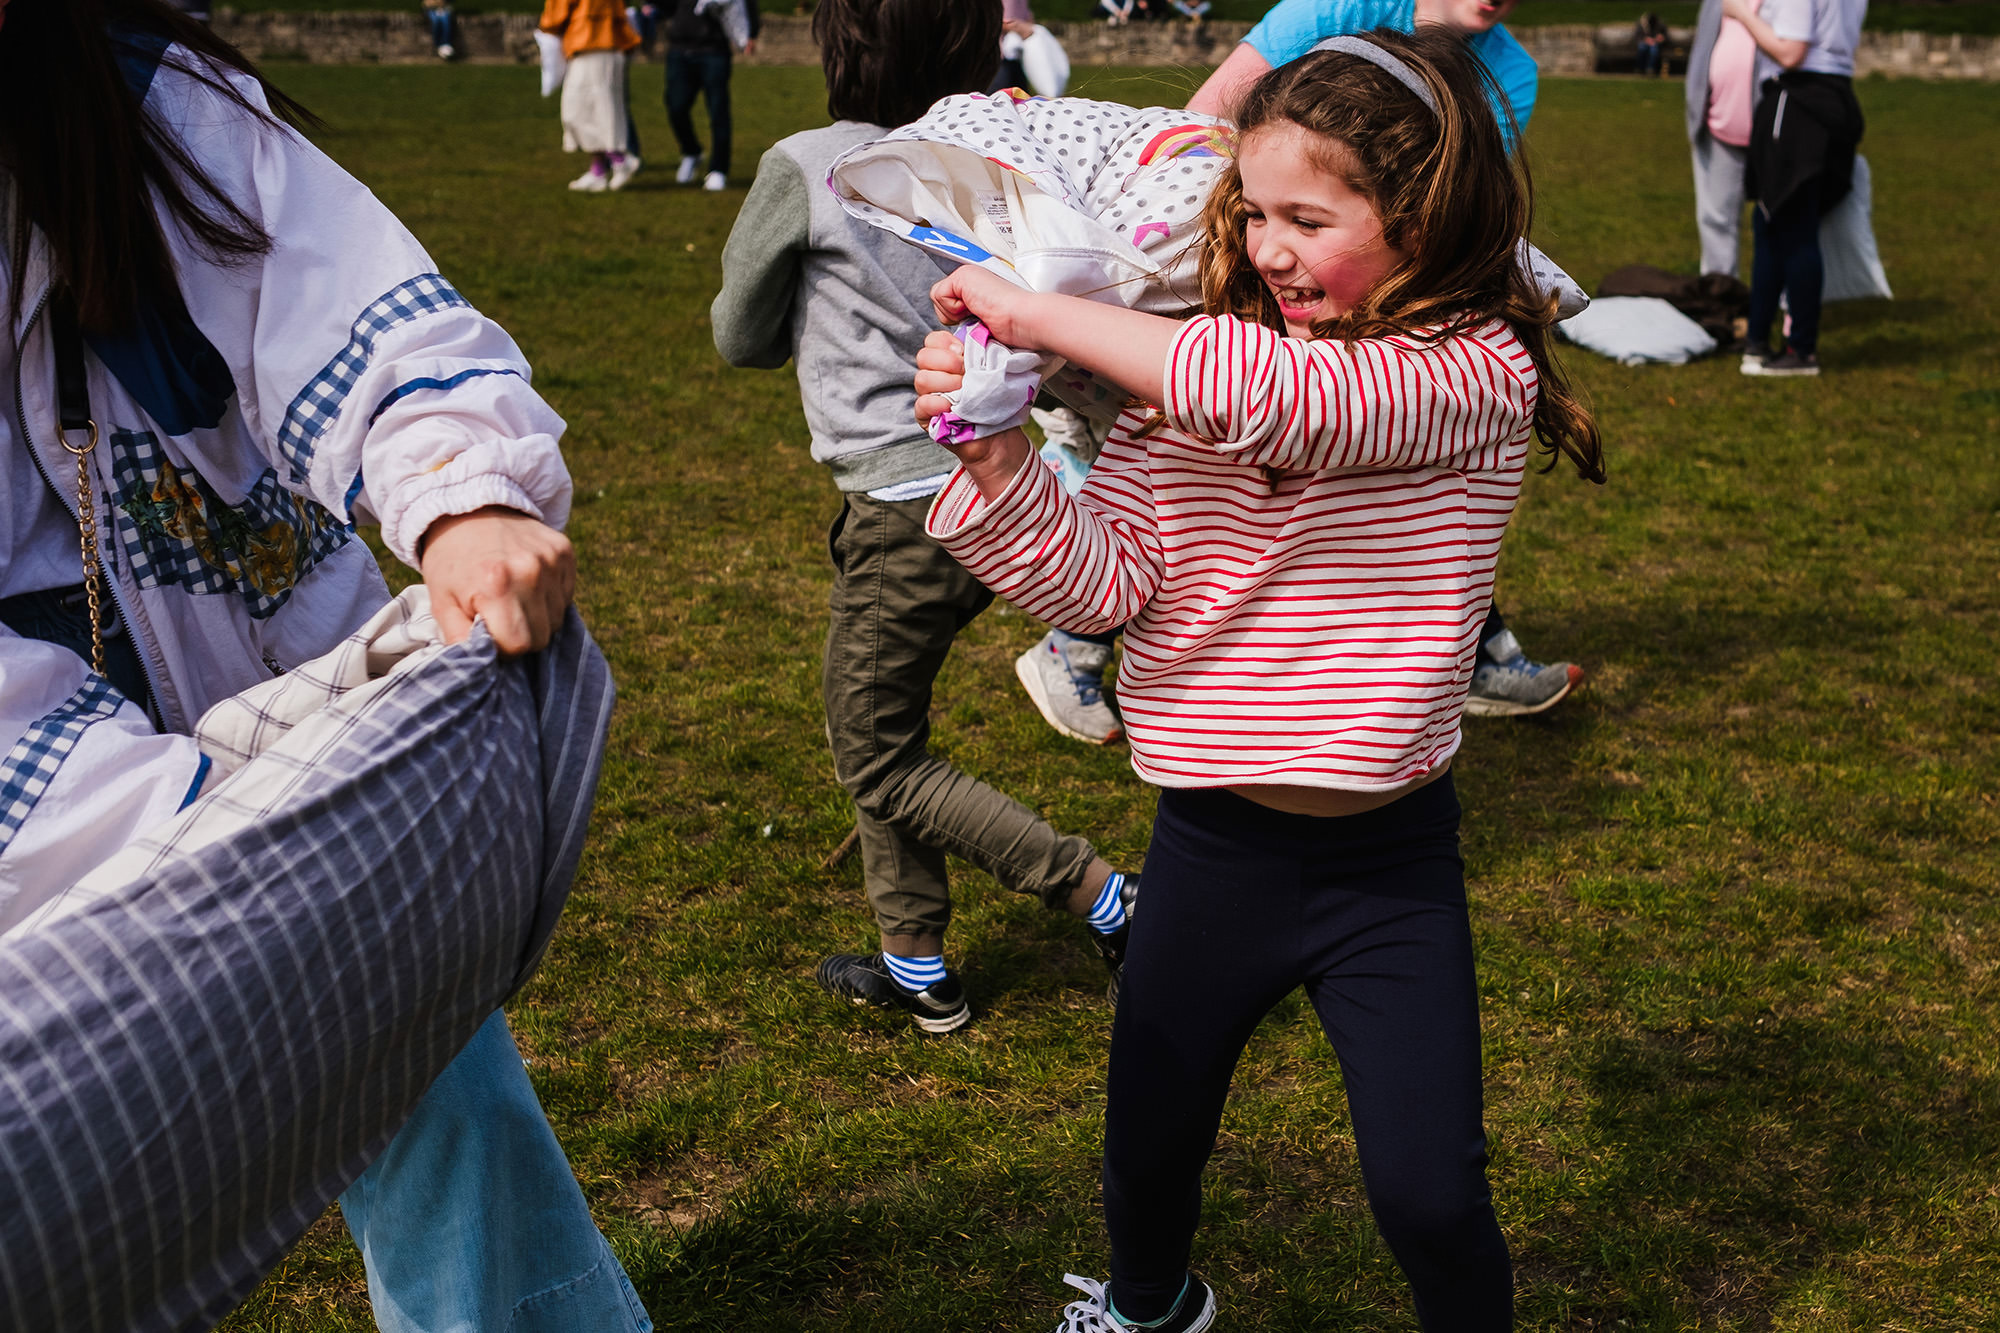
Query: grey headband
[(1375, 55)]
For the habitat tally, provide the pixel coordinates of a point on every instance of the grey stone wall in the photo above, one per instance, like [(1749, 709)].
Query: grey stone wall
[(1571, 50)]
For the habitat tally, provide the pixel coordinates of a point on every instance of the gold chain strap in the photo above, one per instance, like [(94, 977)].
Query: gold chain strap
[(86, 528)]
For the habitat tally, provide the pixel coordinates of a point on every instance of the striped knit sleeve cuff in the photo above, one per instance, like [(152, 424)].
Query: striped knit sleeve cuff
[(989, 536)]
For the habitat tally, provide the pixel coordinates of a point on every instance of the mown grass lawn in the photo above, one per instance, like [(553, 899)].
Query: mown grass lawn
[(1735, 903), (1961, 16)]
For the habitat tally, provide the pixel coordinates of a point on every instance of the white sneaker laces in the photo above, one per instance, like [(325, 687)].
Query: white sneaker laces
[(1089, 1316)]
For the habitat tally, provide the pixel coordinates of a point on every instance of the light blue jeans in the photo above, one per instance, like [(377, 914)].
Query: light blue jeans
[(471, 1220)]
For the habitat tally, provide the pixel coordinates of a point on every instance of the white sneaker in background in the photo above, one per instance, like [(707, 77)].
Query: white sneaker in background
[(591, 183), (689, 168), (623, 170), (1064, 676), (715, 181)]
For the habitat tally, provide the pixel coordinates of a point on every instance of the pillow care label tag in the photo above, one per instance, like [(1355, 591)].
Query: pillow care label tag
[(993, 208)]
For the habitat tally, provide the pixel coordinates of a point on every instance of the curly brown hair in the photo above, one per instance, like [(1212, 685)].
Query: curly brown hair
[(1450, 197)]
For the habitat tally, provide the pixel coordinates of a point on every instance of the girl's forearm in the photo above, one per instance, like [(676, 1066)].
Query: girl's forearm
[(994, 462), (1127, 347)]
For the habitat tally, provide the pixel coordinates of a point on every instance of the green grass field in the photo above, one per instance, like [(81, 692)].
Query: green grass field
[(1961, 16), (1736, 903)]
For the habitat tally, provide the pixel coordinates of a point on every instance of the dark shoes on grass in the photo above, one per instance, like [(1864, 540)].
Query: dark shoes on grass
[(1111, 947), (1788, 364), (864, 979)]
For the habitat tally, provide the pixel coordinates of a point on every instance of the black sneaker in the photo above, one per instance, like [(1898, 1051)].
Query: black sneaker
[(1788, 364), (865, 979), (1111, 947), (1195, 1312)]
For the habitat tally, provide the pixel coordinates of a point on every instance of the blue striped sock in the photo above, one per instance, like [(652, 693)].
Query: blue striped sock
[(1108, 912), (914, 974)]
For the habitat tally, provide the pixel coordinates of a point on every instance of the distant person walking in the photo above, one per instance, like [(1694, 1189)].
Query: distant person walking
[(595, 38), (1801, 163), (700, 56), (1017, 24)]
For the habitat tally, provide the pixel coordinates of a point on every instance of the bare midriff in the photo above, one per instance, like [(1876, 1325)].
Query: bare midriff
[(1332, 802)]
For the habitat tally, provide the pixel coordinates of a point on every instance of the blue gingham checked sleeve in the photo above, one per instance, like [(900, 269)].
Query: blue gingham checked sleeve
[(374, 385), (194, 1063)]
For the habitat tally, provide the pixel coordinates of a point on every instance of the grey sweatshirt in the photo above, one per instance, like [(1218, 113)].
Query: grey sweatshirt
[(801, 280)]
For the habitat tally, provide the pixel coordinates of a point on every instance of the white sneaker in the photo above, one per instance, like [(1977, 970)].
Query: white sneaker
[(1065, 678), (591, 183), (446, 52), (623, 170), (690, 167), (1195, 1313), (715, 180)]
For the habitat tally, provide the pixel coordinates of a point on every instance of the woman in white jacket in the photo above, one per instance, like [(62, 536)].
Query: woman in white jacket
[(268, 357)]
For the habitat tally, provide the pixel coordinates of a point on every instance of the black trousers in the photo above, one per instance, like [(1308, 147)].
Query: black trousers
[(1786, 261), (1241, 904), (693, 73)]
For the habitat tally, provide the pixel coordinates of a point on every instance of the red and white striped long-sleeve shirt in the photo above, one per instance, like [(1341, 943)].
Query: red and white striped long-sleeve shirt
[(1302, 554)]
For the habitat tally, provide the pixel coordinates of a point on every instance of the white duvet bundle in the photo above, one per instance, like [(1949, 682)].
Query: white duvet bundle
[(1093, 199)]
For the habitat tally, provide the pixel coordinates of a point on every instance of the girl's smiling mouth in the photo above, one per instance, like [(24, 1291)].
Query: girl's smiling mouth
[(1297, 302)]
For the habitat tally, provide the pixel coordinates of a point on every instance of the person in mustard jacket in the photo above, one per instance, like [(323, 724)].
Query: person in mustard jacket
[(595, 38)]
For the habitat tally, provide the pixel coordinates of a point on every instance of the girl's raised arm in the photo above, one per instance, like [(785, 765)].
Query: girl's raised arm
[(1266, 400), (1272, 401), (1127, 347)]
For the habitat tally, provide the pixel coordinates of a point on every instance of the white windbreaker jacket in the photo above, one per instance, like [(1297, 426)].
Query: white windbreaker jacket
[(337, 379)]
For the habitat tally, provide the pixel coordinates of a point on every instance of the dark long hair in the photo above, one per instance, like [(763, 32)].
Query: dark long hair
[(1449, 196), (87, 162), (886, 61)]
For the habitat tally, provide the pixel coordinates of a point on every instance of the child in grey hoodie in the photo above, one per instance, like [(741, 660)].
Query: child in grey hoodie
[(850, 304)]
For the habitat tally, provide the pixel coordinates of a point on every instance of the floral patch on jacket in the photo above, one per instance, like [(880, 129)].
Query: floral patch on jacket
[(177, 531)]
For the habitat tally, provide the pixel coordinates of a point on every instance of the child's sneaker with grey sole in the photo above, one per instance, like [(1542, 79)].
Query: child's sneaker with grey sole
[(1064, 675), (1506, 684)]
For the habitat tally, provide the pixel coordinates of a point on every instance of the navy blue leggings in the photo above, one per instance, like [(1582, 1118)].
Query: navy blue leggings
[(1786, 258), (1240, 905)]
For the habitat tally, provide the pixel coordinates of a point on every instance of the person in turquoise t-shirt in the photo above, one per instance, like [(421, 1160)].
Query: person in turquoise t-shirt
[(1294, 27), (1505, 683)]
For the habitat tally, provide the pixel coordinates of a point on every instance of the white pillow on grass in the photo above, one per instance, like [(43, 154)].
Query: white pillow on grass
[(1636, 330)]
